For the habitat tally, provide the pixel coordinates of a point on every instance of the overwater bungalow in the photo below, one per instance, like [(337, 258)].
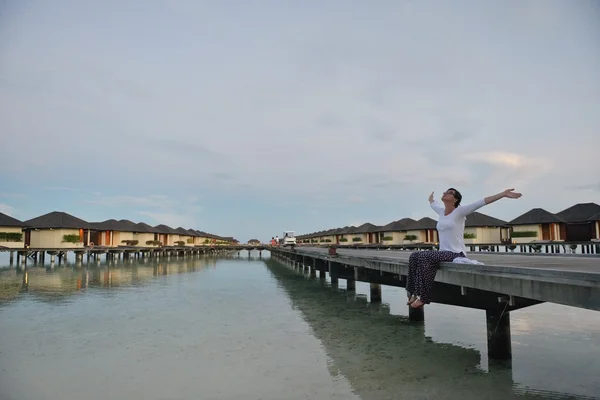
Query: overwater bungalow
[(483, 229), (342, 235), (394, 232), (147, 235), (421, 231), (537, 224), (366, 233), (185, 239), (168, 236), (111, 233), (11, 232), (57, 230), (582, 222)]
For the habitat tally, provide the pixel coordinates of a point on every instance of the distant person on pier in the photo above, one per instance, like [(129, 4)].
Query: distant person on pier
[(423, 265)]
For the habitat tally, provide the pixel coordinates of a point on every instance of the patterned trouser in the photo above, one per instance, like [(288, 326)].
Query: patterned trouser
[(422, 267)]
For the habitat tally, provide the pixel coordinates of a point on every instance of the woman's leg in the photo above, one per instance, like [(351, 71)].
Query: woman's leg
[(412, 278), (428, 265)]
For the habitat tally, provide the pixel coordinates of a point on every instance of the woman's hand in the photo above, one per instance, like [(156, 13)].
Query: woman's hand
[(511, 194), (431, 197)]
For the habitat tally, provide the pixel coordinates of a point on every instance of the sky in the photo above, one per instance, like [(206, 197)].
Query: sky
[(248, 118)]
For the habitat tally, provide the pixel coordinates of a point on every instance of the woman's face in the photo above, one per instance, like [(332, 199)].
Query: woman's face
[(448, 196)]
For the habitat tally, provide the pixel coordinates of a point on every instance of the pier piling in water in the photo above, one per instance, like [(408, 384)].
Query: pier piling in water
[(498, 334)]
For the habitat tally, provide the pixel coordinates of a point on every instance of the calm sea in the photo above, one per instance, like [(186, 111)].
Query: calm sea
[(252, 328)]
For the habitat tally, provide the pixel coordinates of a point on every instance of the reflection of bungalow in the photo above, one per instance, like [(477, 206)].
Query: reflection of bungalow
[(168, 236), (254, 242), (582, 222), (422, 231), (537, 224), (56, 230), (113, 233), (366, 234), (481, 228), (11, 232), (394, 232), (147, 236)]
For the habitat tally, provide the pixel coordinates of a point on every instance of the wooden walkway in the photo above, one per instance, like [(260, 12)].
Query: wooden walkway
[(567, 263)]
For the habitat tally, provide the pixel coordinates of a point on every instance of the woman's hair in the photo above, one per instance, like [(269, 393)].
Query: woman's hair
[(457, 196)]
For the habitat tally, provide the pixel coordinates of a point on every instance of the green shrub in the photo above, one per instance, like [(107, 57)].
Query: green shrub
[(469, 236), (357, 239), (11, 237), (71, 239), (388, 238), (410, 237), (523, 234)]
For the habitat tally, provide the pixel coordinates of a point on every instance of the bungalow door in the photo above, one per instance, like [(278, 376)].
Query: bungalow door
[(545, 231), (27, 238)]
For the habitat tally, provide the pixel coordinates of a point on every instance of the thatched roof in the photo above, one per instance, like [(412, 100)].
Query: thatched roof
[(182, 231), (7, 220), (114, 225), (477, 219), (192, 232), (423, 223), (536, 216), (397, 226), (58, 220), (143, 227), (367, 228), (166, 229), (581, 212)]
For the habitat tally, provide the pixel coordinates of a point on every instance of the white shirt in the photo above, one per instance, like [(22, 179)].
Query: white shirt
[(451, 227)]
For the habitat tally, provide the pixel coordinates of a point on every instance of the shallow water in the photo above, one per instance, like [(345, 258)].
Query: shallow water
[(233, 328)]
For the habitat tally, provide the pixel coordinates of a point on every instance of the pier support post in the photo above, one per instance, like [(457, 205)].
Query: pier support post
[(375, 293), (12, 256), (416, 314), (333, 274), (498, 334), (350, 285)]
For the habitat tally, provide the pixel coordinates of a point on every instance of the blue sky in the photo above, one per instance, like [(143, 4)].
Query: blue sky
[(248, 118)]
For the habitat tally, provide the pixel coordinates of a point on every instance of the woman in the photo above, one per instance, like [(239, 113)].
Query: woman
[(422, 265)]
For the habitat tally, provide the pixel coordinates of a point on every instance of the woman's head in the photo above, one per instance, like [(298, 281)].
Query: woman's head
[(452, 196)]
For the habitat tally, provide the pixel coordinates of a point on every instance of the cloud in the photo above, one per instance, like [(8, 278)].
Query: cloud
[(161, 201), (173, 220), (297, 103), (7, 209), (594, 187), (60, 189)]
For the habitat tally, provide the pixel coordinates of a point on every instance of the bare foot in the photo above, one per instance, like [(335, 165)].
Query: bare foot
[(417, 304), (411, 300)]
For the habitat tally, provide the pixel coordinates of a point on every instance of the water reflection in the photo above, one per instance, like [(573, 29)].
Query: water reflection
[(52, 282), (379, 352), (183, 328)]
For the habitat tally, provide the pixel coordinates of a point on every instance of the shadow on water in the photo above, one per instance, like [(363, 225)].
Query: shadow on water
[(385, 355)]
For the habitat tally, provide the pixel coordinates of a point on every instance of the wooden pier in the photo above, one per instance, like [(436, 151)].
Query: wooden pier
[(38, 255), (505, 283)]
